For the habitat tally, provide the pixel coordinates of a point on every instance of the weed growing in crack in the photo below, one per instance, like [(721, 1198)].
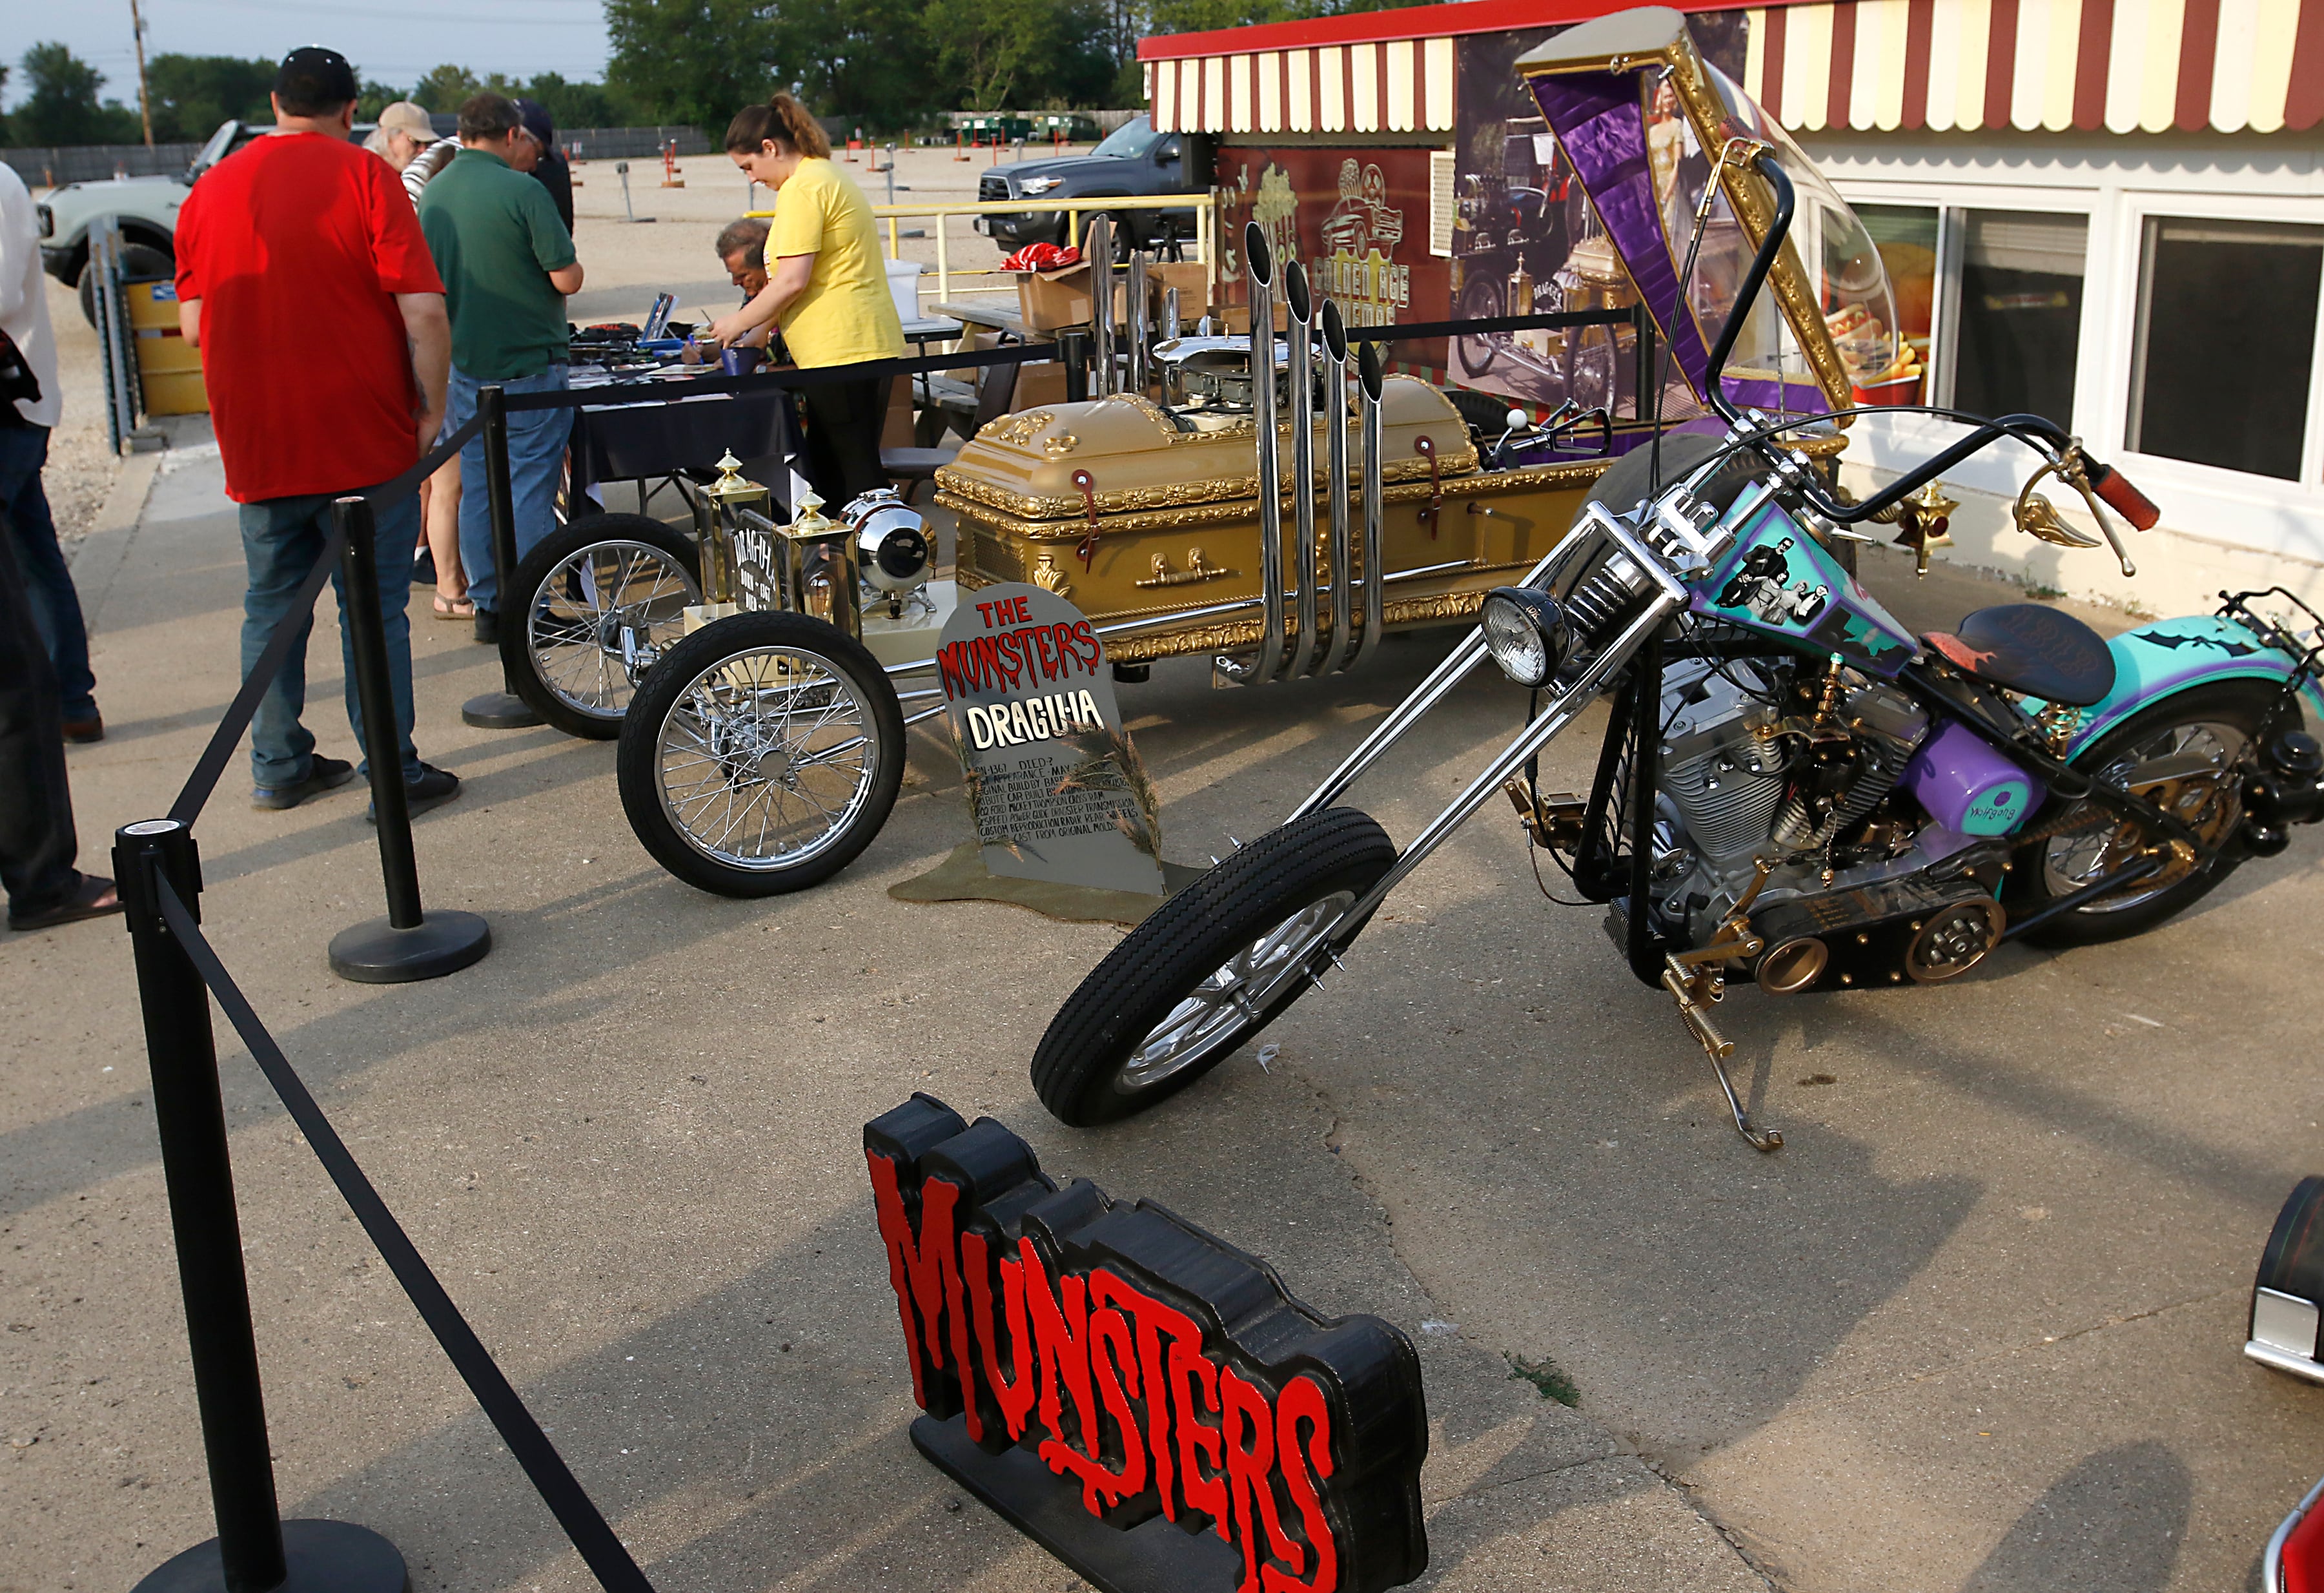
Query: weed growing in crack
[(1548, 1378)]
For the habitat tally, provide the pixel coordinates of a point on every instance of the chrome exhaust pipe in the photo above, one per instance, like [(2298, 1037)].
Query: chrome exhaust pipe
[(1302, 307), (1139, 318), (1097, 248), (1371, 378), (1260, 266), (1336, 466)]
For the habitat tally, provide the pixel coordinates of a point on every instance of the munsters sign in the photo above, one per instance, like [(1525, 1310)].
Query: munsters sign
[(1054, 785), (1148, 1402)]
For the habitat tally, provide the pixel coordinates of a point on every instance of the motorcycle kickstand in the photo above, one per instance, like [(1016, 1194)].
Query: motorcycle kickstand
[(1694, 987)]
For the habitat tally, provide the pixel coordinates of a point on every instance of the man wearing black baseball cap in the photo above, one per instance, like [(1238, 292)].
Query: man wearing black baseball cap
[(305, 280)]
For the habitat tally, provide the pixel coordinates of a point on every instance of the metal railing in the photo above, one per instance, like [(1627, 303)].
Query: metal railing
[(1203, 205)]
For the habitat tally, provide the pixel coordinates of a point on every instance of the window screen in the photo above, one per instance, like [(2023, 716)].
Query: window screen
[(2020, 313), (2226, 342)]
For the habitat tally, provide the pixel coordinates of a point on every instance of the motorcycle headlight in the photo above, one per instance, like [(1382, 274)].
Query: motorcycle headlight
[(891, 541), (1038, 185), (1526, 634)]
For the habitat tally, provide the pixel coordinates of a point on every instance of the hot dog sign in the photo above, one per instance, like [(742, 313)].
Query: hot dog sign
[(1054, 787)]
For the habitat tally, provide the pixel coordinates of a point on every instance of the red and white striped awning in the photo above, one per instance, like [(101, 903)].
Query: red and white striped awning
[(1373, 71), (1825, 66), (2127, 66)]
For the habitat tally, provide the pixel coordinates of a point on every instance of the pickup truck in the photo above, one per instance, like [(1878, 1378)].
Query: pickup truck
[(1132, 160), (146, 208)]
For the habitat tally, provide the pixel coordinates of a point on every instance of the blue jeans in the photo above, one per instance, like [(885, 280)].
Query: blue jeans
[(280, 539), (536, 466), (47, 583)]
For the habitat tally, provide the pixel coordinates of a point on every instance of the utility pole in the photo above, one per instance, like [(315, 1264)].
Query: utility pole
[(144, 100)]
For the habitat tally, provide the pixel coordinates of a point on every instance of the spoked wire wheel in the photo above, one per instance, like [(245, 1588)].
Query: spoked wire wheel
[(761, 755), (605, 596), (1210, 968), (2187, 755)]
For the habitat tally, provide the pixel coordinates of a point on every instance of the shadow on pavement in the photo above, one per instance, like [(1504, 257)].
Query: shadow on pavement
[(2112, 1524)]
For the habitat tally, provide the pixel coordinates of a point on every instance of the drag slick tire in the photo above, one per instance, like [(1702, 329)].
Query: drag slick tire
[(583, 585), (761, 755), (1209, 969)]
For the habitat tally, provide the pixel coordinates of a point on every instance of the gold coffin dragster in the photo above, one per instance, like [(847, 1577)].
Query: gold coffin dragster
[(1112, 505)]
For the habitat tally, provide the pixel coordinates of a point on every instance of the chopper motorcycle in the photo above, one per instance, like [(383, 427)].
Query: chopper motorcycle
[(1792, 790)]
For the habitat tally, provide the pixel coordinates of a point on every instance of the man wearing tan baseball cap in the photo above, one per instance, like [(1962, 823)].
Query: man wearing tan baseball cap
[(404, 130)]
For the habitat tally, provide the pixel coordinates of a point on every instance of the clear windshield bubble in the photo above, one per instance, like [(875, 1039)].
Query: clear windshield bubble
[(1845, 274)]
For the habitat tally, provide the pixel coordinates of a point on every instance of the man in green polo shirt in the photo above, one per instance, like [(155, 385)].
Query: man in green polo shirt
[(507, 263)]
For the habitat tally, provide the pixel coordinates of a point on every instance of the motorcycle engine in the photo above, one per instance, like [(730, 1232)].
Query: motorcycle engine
[(1778, 763)]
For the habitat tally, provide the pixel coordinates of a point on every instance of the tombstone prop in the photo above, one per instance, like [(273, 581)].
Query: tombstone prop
[(1054, 788)]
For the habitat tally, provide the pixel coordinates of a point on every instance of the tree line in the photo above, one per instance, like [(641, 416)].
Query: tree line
[(891, 66)]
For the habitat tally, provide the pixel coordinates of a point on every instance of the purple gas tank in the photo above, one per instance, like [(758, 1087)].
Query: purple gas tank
[(1967, 785)]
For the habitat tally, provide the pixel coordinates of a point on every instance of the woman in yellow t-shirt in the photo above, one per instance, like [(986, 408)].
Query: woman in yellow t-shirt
[(827, 288)]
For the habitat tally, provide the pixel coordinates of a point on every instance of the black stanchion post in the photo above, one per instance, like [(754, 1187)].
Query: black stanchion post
[(1073, 353), (407, 944), (255, 1551), (502, 709)]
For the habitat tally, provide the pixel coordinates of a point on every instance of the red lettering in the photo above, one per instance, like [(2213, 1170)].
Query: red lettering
[(1154, 1320), (1303, 1467), (1044, 651), (1060, 1324), (1194, 1389), (1088, 639), (1114, 1360), (922, 1270), (1249, 1432), (986, 653), (1021, 612), (1014, 1393), (953, 665), (1012, 656), (985, 613)]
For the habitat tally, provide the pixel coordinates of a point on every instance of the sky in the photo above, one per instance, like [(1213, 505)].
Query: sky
[(387, 42)]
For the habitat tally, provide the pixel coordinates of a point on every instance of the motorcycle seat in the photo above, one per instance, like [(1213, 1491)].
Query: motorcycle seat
[(2029, 648)]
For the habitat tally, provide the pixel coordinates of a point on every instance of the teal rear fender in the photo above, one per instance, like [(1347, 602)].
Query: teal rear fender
[(2169, 656)]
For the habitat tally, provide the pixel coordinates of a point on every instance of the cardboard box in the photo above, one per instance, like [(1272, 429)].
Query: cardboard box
[(1040, 383), (1048, 299)]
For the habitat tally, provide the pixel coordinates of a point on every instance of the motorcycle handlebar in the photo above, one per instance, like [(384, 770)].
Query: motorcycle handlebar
[(2115, 491)]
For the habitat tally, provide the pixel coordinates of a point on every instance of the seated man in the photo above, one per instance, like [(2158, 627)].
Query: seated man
[(740, 246)]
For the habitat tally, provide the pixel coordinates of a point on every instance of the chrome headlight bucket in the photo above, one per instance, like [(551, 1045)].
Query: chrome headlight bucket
[(891, 541), (1526, 634)]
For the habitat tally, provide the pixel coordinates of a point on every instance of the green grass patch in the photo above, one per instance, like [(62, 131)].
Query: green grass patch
[(1548, 1378), (2036, 589)]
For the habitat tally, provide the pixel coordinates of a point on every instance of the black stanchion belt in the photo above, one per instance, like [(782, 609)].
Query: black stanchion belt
[(607, 1559), (211, 765)]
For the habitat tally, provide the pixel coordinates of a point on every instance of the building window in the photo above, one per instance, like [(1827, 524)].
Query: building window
[(2226, 342), (1909, 242), (2018, 316)]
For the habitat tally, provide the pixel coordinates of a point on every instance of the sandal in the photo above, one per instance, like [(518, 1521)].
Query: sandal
[(454, 607), (93, 897)]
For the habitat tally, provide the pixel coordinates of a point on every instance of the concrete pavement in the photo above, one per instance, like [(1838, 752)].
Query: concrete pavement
[(1975, 1328)]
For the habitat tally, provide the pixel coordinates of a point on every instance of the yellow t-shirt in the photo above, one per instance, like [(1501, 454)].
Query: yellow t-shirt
[(847, 314)]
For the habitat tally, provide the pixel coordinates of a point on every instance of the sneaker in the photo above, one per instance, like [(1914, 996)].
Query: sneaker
[(488, 627), (322, 775), (433, 788), (423, 568), (91, 728)]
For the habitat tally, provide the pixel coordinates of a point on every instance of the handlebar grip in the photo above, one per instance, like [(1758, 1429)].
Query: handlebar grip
[(2115, 490)]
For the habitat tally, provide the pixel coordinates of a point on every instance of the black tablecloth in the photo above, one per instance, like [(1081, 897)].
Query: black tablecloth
[(647, 440)]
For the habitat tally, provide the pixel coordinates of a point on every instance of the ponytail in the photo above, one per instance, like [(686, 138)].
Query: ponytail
[(782, 120)]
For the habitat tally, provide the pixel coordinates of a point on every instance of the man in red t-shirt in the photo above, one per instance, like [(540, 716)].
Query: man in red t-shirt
[(305, 280)]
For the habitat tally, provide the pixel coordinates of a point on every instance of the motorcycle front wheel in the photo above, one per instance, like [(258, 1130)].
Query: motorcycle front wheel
[(1481, 299), (761, 755), (2187, 754), (1209, 969), (588, 589)]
